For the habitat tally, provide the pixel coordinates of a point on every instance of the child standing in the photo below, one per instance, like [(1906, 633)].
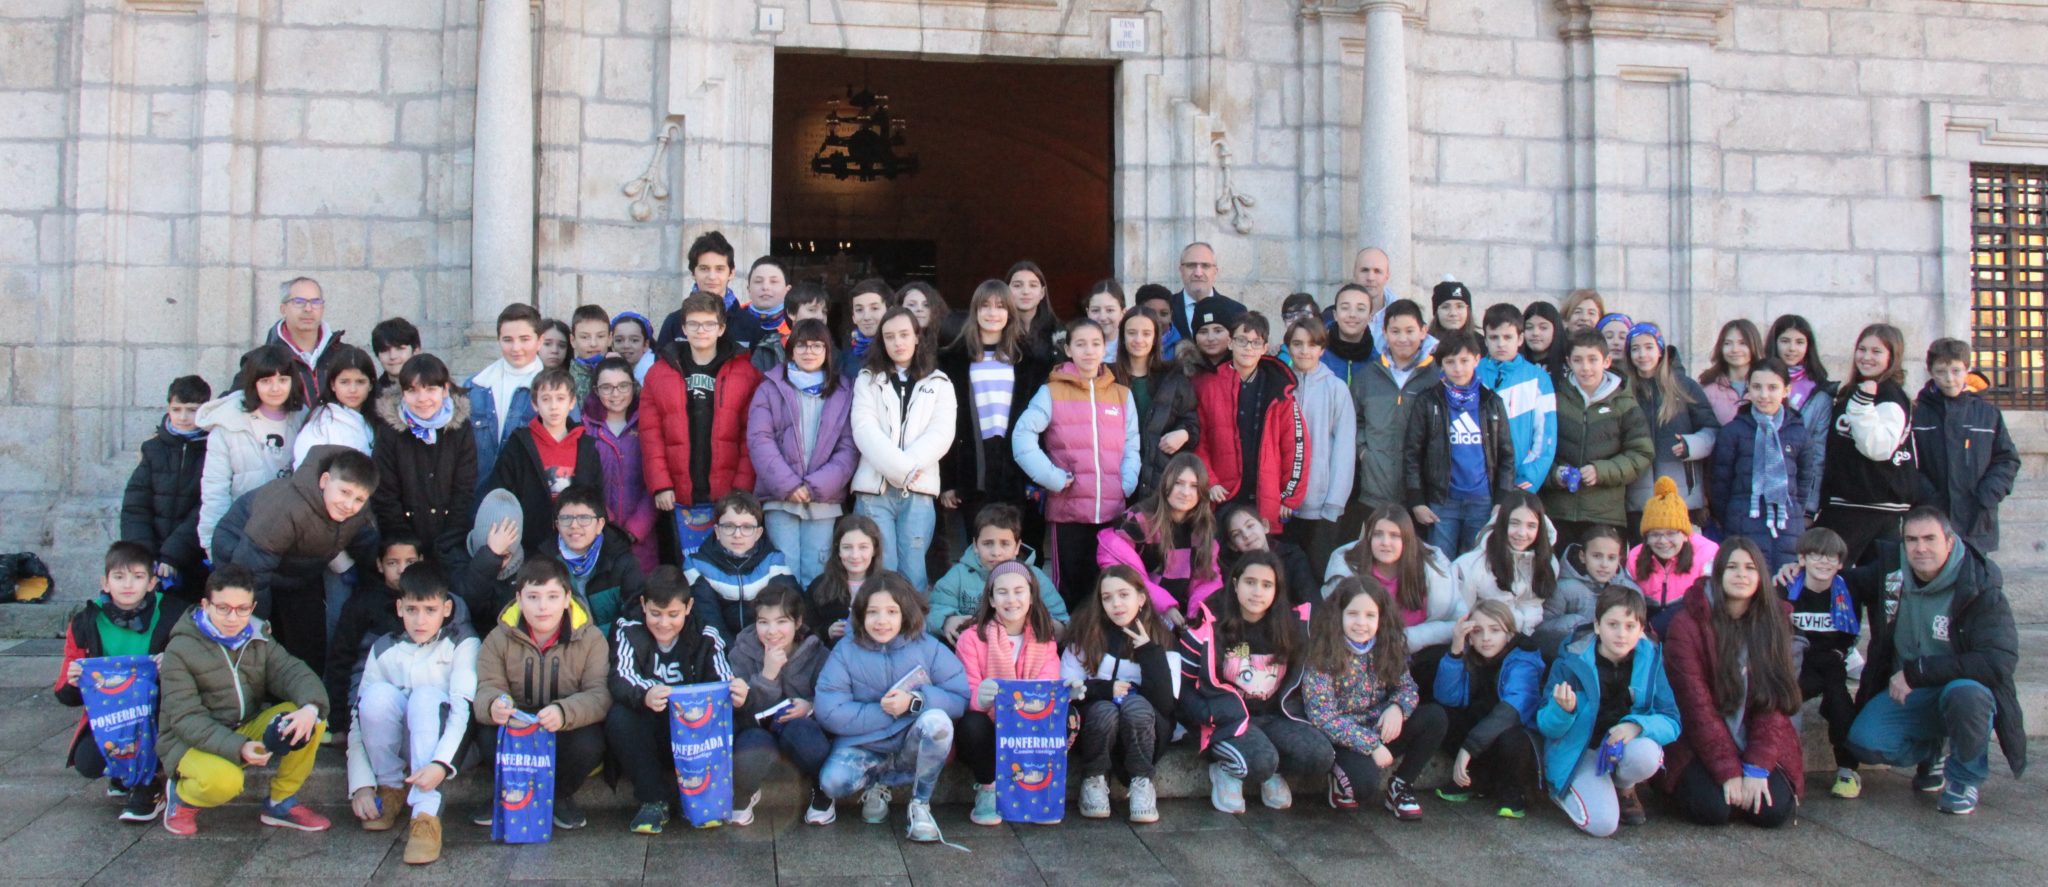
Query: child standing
[(1683, 427), (1457, 454), (1010, 638), (694, 412), (903, 414), (1490, 687), (404, 745), (1603, 443), (1726, 380), (632, 337), (668, 645), (734, 566), (1525, 390), (1766, 468), (1738, 756), (1358, 692), (800, 438), (545, 456), (160, 509), (889, 698), (232, 699), (994, 378), (590, 338), (1126, 681), (1164, 396), (339, 419), (1254, 438), (1242, 660), (1827, 614), (129, 618), (1078, 439), (1872, 474), (1608, 718), (1966, 456), (249, 435), (611, 419), (499, 396), (957, 596), (1332, 420), (778, 658), (547, 631), (426, 460), (393, 341)]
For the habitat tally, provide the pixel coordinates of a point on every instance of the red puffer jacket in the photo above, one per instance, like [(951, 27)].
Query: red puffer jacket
[(665, 427), (1689, 663), (1283, 443)]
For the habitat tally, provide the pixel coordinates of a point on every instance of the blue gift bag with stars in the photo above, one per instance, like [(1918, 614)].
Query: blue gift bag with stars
[(1031, 750), (700, 738), (120, 694), (524, 805)]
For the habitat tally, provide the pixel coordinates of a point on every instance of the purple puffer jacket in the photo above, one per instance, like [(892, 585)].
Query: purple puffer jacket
[(627, 504), (775, 445)]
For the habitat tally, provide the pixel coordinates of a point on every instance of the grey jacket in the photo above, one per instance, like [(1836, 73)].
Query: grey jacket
[(1383, 425), (1325, 402)]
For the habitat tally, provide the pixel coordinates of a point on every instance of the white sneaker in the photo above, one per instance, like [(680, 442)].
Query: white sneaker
[(874, 804), (1226, 792), (1275, 794), (923, 828), (821, 810), (1144, 800), (745, 815), (1095, 797)]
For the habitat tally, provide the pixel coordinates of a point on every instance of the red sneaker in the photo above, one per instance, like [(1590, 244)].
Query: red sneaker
[(292, 814), (180, 818)]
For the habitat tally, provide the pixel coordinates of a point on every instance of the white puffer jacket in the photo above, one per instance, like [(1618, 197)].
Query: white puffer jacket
[(446, 663), (1444, 606), (237, 461), (895, 441), (332, 425)]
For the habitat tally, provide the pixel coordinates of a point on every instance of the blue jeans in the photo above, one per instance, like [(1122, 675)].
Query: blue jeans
[(804, 543), (1906, 734), (926, 745), (1457, 524), (800, 740), (906, 522)]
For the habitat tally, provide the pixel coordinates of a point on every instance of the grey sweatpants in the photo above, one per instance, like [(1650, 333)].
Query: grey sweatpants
[(1272, 744), (1593, 801)]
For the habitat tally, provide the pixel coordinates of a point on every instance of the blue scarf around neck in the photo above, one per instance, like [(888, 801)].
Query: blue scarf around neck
[(230, 641), (1841, 605), (428, 430), (581, 565), (195, 434), (811, 383)]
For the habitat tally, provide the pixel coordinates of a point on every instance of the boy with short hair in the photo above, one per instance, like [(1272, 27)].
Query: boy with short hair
[(735, 565), (405, 745), (806, 301), (1458, 457), (956, 597), (693, 412), (291, 529), (1526, 390), (1350, 327), (394, 340), (590, 338), (500, 401), (231, 698), (599, 556), (762, 319), (1827, 615), (546, 631), (160, 510), (1254, 438), (712, 262), (546, 456), (129, 618), (1384, 392), (1967, 459), (664, 646), (1603, 443), (369, 613)]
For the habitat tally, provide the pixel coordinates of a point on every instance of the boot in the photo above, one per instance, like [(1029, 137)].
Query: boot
[(423, 843), (390, 806)]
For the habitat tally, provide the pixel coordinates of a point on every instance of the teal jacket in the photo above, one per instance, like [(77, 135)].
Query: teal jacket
[(958, 593), (1566, 736)]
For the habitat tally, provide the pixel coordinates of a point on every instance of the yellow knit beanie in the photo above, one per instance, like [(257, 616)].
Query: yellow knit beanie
[(1665, 510)]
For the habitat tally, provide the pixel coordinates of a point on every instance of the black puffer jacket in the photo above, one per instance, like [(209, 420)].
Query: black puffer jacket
[(1173, 409), (429, 489), (519, 471), (1426, 449), (1967, 461), (161, 507), (969, 466)]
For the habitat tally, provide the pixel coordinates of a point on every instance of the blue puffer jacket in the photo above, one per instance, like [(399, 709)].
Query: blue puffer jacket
[(1566, 736), (857, 674), (1530, 397), (483, 418), (1733, 481), (1519, 684)]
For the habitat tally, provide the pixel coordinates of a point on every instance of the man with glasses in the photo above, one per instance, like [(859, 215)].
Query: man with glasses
[(1254, 438), (1197, 282), (599, 556), (303, 328)]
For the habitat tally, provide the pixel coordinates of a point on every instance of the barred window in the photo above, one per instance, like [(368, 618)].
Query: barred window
[(2009, 282)]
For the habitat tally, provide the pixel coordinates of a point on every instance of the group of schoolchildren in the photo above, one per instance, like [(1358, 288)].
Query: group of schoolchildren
[(1524, 537)]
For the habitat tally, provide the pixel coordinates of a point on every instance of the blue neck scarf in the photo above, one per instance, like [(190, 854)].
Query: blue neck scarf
[(194, 434), (768, 319), (1462, 398), (590, 362), (230, 641), (1770, 493), (580, 566), (1841, 606), (860, 347), (811, 383), (1358, 649), (428, 430)]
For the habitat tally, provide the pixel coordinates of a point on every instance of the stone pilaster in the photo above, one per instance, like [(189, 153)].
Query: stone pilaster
[(501, 229)]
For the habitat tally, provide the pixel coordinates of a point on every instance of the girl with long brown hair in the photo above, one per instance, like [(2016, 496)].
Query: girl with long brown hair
[(1358, 693), (1170, 539), (1871, 474), (1120, 659)]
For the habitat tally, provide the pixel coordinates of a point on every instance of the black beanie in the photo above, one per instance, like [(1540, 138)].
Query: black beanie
[(1449, 291)]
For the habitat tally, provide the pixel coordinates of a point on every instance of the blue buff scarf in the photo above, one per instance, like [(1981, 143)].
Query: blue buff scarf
[(230, 641), (860, 348), (700, 739), (1770, 484), (1031, 750), (581, 565), (1841, 606), (523, 805), (428, 430), (811, 383), (120, 694)]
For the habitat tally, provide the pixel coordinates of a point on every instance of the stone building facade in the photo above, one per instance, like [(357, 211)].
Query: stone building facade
[(165, 164)]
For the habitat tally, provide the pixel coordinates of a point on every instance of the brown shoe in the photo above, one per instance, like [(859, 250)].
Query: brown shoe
[(423, 845), (390, 806), (1631, 807)]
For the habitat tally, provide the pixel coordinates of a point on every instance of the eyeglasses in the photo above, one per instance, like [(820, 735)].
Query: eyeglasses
[(575, 521), (616, 388), (808, 345), (303, 304), (1242, 342), (739, 529), (702, 326), (249, 610), (1197, 266)]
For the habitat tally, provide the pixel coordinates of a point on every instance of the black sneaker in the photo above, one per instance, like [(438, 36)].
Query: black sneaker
[(1402, 802), (568, 815), (1930, 776), (483, 816), (144, 804), (649, 820)]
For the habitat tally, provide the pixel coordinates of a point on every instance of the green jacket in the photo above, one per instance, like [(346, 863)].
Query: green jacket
[(958, 593), (1383, 425), (208, 690), (1608, 432)]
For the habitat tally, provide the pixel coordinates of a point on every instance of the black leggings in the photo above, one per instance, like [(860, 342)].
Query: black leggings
[(1825, 673), (1074, 557), (1504, 769), (974, 745), (1698, 796), (1421, 734), (1860, 528)]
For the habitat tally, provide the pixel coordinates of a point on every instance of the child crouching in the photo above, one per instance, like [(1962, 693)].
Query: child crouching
[(546, 631), (130, 618), (1609, 700), (778, 659), (668, 647)]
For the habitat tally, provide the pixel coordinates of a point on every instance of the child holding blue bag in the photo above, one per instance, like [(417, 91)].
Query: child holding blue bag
[(129, 618)]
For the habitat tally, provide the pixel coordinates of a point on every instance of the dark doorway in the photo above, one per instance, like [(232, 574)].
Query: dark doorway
[(1014, 162)]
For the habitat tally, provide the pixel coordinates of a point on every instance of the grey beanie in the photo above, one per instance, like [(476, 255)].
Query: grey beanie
[(499, 505)]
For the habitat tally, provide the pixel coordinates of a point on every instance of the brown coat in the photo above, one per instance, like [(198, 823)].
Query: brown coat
[(208, 690), (570, 673)]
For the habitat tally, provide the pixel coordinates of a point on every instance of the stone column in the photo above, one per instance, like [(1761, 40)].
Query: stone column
[(1383, 193), (501, 228)]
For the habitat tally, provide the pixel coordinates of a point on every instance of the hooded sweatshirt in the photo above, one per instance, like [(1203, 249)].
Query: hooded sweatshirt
[(1922, 625), (1531, 400)]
